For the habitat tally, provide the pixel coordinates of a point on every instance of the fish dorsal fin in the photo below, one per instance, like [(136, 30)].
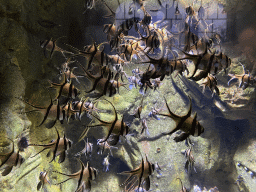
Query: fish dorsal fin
[(193, 129), (112, 123), (81, 174), (122, 126), (243, 67), (112, 12), (171, 114), (86, 72), (116, 117), (189, 110), (180, 182), (101, 121), (57, 145), (153, 60), (53, 47)]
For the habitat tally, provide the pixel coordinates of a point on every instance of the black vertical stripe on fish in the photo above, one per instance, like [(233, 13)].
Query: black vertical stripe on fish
[(65, 143), (70, 91), (58, 110), (111, 90), (90, 171), (141, 174), (112, 125), (194, 125), (80, 111), (53, 47), (102, 58), (62, 86), (56, 147), (107, 84), (91, 58), (47, 113), (81, 174)]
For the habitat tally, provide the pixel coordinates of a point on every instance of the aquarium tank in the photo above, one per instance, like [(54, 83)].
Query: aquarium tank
[(128, 95)]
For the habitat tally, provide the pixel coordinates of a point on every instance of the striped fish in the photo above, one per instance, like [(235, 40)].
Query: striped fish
[(58, 147), (87, 150), (84, 176), (211, 82), (53, 111), (140, 174), (66, 89), (116, 127), (101, 84), (10, 160), (244, 80), (50, 45), (189, 125), (190, 160), (43, 180)]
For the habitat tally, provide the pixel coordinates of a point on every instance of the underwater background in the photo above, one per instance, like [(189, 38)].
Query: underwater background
[(224, 157)]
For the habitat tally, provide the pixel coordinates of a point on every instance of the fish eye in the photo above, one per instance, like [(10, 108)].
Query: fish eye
[(69, 144), (106, 28)]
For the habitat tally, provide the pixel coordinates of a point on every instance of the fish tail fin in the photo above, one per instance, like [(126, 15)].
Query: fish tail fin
[(37, 107), (84, 133), (62, 181), (38, 152)]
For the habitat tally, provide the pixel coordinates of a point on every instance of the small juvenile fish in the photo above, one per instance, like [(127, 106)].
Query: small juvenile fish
[(119, 72), (43, 180), (156, 83), (69, 111), (251, 172), (84, 106), (133, 82), (154, 112), (105, 145), (211, 82), (137, 72), (11, 159), (87, 149), (89, 4), (190, 160), (69, 73), (106, 164), (244, 80), (144, 127), (110, 30)]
